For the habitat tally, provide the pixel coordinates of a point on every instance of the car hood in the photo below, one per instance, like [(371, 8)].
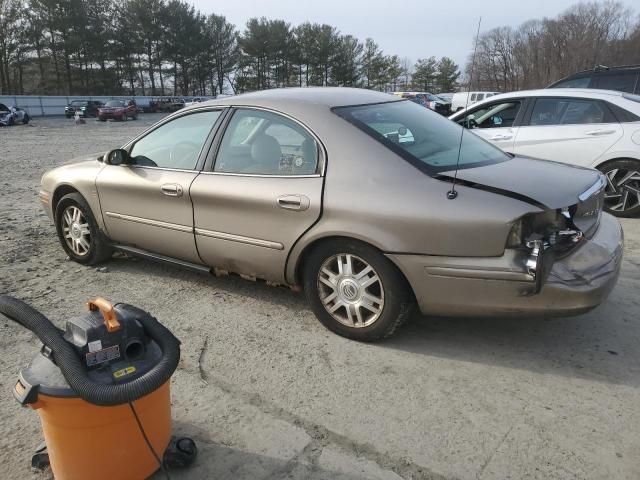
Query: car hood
[(540, 182)]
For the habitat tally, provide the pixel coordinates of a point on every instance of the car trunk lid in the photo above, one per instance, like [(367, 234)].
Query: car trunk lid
[(540, 182)]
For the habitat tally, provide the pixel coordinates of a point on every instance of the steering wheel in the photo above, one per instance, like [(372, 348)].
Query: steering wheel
[(183, 152), (470, 123)]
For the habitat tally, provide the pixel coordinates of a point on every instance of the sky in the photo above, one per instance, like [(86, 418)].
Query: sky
[(407, 28)]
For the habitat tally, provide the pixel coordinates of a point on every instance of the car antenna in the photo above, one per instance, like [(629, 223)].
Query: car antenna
[(452, 194)]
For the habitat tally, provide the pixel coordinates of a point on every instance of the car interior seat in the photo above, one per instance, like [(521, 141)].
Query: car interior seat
[(266, 155)]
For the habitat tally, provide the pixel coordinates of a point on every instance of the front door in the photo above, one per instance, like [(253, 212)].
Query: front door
[(263, 193), (146, 203), (575, 131), (495, 122)]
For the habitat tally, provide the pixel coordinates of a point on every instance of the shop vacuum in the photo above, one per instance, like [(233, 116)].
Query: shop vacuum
[(101, 389)]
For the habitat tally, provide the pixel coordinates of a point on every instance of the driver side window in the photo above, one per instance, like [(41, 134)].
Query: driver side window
[(175, 144)]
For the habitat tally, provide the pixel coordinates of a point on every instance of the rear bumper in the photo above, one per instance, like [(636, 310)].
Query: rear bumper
[(500, 286), (112, 115)]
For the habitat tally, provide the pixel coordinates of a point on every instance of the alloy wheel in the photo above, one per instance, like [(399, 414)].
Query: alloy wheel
[(75, 230), (350, 290), (623, 190)]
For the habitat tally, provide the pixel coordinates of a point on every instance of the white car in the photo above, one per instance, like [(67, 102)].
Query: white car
[(462, 100), (12, 115), (590, 128)]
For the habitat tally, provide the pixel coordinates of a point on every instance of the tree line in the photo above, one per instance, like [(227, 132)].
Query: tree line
[(163, 47), (541, 51)]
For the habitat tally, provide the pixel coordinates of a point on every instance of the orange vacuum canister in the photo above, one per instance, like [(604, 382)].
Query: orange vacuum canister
[(102, 391)]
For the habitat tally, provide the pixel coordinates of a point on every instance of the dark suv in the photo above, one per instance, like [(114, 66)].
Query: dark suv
[(86, 108), (622, 79)]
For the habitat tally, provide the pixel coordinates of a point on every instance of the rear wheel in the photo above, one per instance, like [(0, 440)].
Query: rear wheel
[(25, 119), (78, 231), (622, 194), (355, 291)]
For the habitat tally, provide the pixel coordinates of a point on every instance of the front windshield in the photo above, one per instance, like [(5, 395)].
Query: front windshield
[(78, 103), (114, 103), (424, 138)]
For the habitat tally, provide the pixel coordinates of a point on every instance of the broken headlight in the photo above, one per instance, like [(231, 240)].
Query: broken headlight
[(544, 237)]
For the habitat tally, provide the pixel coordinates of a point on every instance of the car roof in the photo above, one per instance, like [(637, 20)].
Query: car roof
[(556, 92), (549, 92), (313, 97)]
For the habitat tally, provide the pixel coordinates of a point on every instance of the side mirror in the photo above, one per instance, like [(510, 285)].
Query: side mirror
[(118, 156)]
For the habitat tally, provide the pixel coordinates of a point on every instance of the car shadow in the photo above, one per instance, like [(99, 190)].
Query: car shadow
[(601, 345)]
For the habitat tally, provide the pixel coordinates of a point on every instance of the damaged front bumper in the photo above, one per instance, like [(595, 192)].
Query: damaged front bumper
[(505, 286)]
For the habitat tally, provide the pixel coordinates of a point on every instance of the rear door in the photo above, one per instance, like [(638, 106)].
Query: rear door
[(146, 204), (569, 130), (496, 122), (263, 191)]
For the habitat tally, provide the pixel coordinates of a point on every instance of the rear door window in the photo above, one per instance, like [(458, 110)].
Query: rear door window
[(257, 142), (563, 111)]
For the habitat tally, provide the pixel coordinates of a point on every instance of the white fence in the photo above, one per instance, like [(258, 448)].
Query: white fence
[(38, 106)]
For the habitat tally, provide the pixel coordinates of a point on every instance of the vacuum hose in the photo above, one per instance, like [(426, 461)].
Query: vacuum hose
[(72, 368)]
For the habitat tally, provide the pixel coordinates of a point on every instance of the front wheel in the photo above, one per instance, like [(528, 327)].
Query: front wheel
[(355, 291), (622, 193), (78, 231)]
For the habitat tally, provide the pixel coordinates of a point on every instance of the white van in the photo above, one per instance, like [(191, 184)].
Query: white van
[(459, 100)]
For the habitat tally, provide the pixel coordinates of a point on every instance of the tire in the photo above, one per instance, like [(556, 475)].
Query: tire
[(135, 117), (623, 184), (124, 117), (11, 121), (98, 249), (26, 119), (352, 317), (102, 119)]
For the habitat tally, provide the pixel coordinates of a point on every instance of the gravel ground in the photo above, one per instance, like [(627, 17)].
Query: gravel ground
[(268, 393)]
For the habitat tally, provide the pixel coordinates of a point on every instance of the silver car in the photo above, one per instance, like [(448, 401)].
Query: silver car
[(370, 203)]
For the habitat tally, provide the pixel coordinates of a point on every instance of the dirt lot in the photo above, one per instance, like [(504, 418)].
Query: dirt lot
[(268, 393)]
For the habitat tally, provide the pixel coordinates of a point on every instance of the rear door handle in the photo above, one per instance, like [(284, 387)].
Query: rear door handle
[(595, 133), (293, 202), (171, 189)]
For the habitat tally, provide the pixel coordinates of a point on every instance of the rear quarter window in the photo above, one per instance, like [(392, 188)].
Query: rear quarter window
[(622, 82)]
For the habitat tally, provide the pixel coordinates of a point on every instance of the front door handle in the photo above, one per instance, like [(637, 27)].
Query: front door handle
[(172, 189), (596, 133), (293, 202), (501, 136)]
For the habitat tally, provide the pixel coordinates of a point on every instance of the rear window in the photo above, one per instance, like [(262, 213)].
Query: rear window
[(574, 83), (426, 139)]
